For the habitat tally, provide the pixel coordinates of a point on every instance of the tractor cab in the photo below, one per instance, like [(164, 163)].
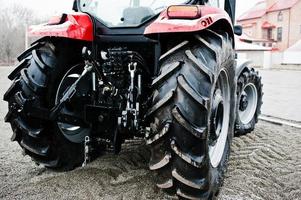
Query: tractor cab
[(128, 13), (134, 13)]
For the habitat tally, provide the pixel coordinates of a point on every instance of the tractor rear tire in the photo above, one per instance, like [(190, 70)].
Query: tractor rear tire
[(248, 109), (193, 116), (35, 82)]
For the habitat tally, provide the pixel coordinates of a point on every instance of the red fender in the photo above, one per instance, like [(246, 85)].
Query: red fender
[(210, 15), (75, 26)]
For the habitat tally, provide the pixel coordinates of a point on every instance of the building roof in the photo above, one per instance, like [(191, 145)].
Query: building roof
[(257, 11), (243, 46), (246, 38), (295, 47), (282, 5), (260, 9)]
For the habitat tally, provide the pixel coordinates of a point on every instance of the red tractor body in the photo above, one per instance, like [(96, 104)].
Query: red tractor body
[(77, 26), (208, 17)]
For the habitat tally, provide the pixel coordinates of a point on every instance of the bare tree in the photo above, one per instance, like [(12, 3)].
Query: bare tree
[(13, 21)]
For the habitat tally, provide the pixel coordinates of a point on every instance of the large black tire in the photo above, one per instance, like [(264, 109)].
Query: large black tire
[(183, 118), (248, 82), (35, 82)]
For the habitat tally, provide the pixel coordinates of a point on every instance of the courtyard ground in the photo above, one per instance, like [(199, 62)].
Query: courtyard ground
[(264, 165)]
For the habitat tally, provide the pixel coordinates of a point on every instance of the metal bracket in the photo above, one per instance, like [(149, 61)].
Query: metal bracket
[(87, 150), (130, 115)]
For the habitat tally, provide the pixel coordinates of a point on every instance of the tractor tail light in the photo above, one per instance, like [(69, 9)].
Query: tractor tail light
[(183, 12), (56, 20)]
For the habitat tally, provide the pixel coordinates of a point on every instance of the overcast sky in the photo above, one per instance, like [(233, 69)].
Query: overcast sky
[(49, 7)]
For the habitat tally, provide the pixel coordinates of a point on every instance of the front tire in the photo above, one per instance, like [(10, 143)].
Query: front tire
[(34, 88), (249, 94), (193, 116)]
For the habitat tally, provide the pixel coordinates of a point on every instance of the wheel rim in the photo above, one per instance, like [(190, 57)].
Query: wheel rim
[(220, 117), (74, 133), (248, 103)]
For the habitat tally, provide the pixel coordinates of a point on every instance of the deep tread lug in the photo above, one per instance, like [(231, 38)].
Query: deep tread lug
[(174, 49), (161, 103), (11, 91), (162, 163), (32, 86), (14, 136), (8, 116), (194, 161), (159, 135), (39, 62), (200, 65), (186, 196), (204, 101), (221, 38), (28, 51), (36, 150), (49, 164), (214, 51), (26, 129), (166, 74), (200, 133), (197, 184), (23, 64), (166, 185), (20, 100)]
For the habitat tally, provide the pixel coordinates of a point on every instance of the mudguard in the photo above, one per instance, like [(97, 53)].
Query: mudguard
[(74, 26), (209, 16), (241, 65)]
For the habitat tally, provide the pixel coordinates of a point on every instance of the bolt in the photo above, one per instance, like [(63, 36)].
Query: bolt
[(243, 103), (101, 118)]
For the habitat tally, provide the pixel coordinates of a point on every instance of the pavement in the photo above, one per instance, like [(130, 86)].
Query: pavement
[(282, 94)]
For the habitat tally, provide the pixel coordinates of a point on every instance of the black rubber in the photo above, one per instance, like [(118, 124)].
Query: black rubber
[(180, 116), (35, 82), (249, 75)]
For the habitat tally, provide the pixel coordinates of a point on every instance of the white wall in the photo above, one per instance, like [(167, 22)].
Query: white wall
[(269, 59), (277, 58), (257, 57), (293, 58)]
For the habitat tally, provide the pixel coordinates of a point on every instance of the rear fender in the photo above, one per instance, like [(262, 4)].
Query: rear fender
[(209, 17), (77, 26), (241, 65)]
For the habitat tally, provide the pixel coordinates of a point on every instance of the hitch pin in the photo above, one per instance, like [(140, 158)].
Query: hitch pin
[(93, 82), (86, 151)]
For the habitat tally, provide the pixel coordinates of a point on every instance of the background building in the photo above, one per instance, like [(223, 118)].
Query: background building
[(273, 23)]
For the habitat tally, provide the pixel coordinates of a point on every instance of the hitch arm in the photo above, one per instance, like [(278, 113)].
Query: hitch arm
[(69, 93)]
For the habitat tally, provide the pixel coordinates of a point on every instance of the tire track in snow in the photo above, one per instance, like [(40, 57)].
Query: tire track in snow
[(265, 164)]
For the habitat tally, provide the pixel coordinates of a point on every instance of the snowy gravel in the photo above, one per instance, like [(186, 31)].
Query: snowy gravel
[(264, 165)]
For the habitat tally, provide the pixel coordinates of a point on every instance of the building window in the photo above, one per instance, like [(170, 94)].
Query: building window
[(279, 34), (270, 34), (280, 16)]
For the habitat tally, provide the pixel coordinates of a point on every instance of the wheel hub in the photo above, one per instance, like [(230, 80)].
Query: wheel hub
[(220, 117), (248, 103), (217, 116), (243, 102)]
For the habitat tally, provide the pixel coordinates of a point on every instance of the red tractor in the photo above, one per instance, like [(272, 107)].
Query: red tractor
[(163, 70)]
